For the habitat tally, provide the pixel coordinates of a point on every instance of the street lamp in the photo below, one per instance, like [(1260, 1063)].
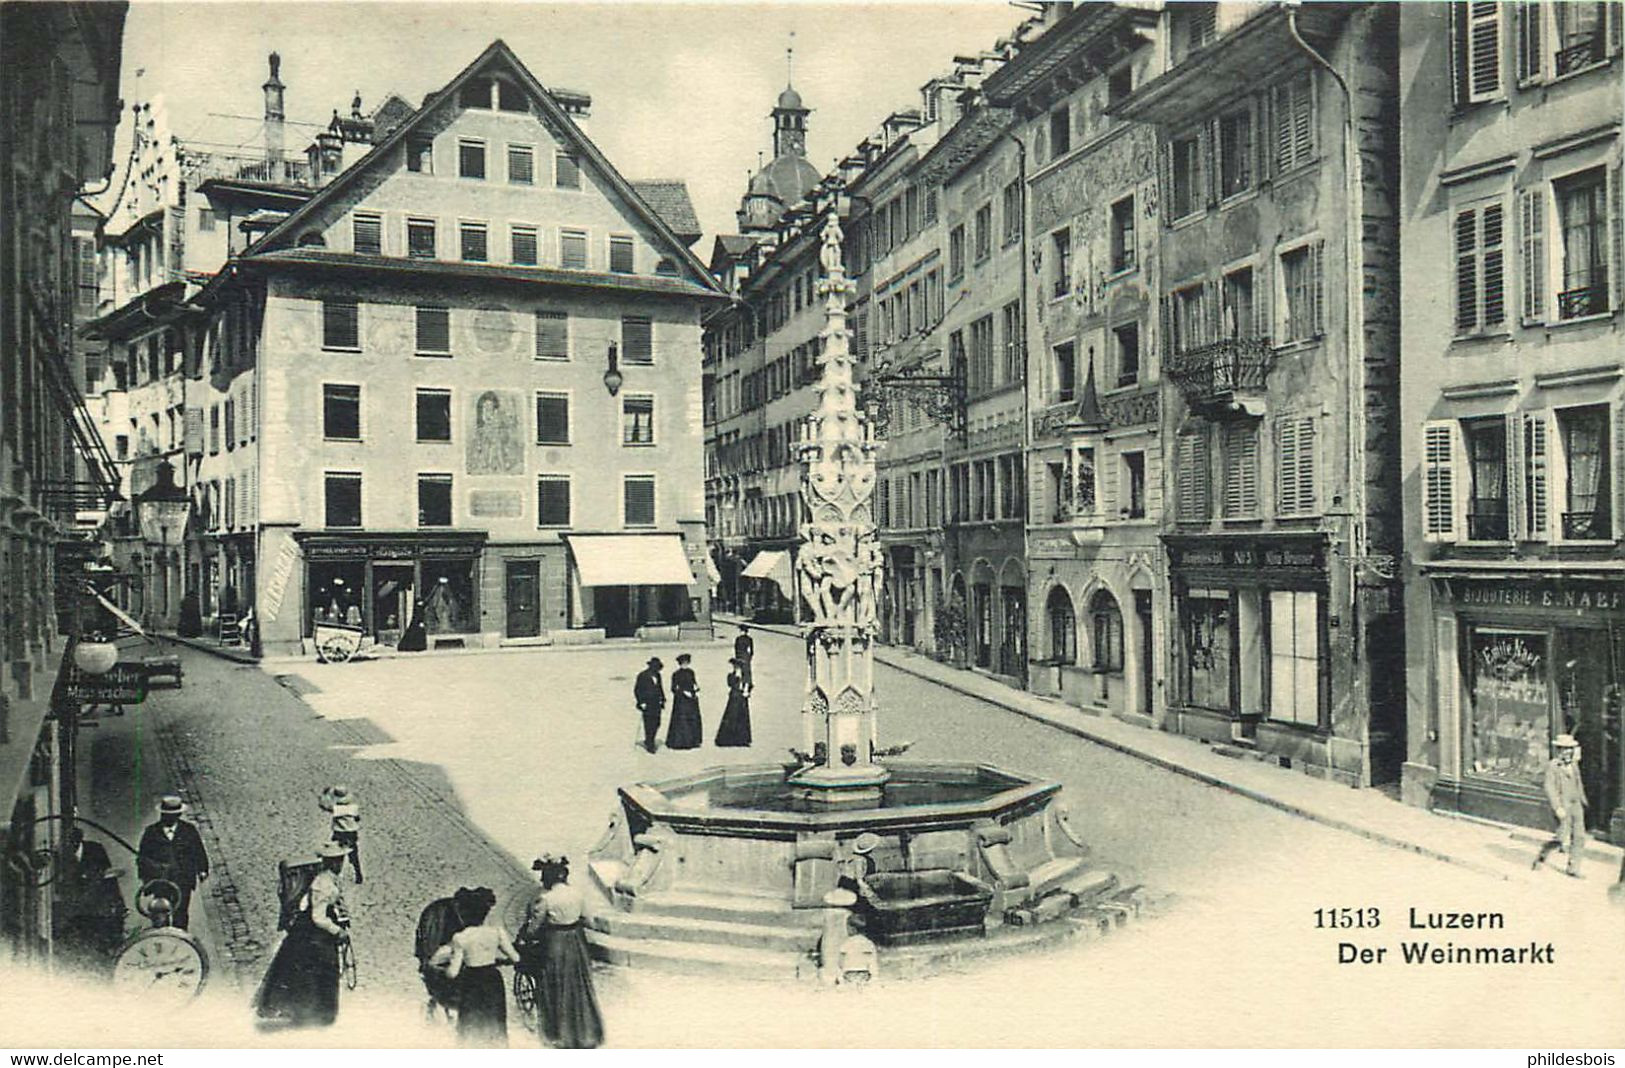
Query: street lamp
[(613, 377), (160, 508)]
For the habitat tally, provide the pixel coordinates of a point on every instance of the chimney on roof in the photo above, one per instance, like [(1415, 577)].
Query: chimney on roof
[(274, 111)]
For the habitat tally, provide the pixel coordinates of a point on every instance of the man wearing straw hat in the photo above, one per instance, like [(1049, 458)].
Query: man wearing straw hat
[(1567, 797), (172, 849)]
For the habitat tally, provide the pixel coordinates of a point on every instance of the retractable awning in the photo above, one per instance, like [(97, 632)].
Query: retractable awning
[(712, 573), (763, 564), (630, 559)]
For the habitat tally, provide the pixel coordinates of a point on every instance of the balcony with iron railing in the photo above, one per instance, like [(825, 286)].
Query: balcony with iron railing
[(1583, 52), (247, 167), (1223, 375), (1583, 300), (1487, 521), (1587, 526)]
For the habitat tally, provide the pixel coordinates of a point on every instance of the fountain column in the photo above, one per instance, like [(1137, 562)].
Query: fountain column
[(839, 569)]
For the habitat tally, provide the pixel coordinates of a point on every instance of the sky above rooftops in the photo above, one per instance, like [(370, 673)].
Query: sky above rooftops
[(680, 90)]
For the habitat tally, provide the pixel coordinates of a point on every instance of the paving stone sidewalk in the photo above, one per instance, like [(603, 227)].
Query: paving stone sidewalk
[(1483, 847), (252, 758)]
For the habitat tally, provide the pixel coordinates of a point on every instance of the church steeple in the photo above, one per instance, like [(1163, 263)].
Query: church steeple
[(789, 176), (789, 116)]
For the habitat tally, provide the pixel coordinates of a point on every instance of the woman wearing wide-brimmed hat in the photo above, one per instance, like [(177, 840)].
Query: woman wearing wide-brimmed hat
[(568, 1007), (734, 730), (301, 987), (685, 731)]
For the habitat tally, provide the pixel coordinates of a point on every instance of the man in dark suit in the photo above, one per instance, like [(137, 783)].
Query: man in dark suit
[(172, 849), (92, 910), (744, 650), (650, 696)]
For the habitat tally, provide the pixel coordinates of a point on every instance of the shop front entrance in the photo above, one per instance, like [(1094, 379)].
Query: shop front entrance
[(1531, 659), (524, 599)]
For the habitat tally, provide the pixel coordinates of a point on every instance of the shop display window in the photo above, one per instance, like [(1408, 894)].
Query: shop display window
[(1509, 731), (448, 597), (336, 591), (1208, 641)]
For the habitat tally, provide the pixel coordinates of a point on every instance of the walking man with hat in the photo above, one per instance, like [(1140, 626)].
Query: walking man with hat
[(342, 805), (650, 697), (1566, 795), (172, 849)]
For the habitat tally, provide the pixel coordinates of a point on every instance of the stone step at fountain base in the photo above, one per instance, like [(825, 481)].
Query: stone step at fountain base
[(699, 958), (655, 922)]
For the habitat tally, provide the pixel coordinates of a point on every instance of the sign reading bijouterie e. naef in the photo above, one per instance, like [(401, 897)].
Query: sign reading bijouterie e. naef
[(1567, 596)]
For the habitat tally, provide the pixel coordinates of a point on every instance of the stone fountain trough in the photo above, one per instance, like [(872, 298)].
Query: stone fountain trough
[(732, 865)]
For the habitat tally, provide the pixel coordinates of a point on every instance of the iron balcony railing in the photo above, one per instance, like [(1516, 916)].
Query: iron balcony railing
[(1487, 525), (248, 168), (1221, 367), (1587, 526), (1582, 53), (1584, 300)]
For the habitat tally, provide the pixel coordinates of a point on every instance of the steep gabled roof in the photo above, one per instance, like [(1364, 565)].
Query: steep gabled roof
[(669, 199), (498, 50)]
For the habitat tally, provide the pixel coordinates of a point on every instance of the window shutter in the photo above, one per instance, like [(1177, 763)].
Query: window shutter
[(1241, 469), (1483, 50), (1535, 480), (1317, 287), (1617, 463), (1210, 160), (1530, 14), (1615, 15), (1466, 271), (1616, 226), (1165, 194), (1307, 501), (194, 431), (1439, 481), (1458, 53), (1513, 473), (1263, 146), (1193, 477), (242, 501), (1286, 466), (552, 335), (1166, 326), (1532, 252), (1261, 299), (253, 410), (1283, 127), (1303, 119), (1493, 229)]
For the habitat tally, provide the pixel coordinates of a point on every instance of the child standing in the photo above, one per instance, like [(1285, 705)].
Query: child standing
[(346, 813)]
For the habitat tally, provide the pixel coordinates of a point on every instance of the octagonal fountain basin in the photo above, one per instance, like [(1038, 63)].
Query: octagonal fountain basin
[(736, 858)]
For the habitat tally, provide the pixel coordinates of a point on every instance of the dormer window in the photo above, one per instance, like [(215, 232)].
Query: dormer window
[(475, 93), (510, 97)]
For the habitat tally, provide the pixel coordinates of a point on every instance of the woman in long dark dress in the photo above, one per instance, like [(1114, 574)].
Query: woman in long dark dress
[(568, 1007), (685, 731), (301, 987), (734, 730), (477, 951), (416, 638)]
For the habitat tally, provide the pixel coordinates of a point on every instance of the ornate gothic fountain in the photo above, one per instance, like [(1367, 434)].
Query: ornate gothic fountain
[(739, 867)]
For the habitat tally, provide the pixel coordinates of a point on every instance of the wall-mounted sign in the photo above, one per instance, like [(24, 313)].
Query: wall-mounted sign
[(125, 684), (1561, 595)]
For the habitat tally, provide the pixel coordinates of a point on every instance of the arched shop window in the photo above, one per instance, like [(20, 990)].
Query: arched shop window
[(1106, 623), (1063, 630)]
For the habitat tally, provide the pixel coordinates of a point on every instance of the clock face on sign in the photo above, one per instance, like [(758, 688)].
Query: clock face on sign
[(167, 961)]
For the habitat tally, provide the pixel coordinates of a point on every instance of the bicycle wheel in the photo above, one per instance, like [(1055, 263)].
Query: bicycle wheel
[(524, 997), (347, 964)]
